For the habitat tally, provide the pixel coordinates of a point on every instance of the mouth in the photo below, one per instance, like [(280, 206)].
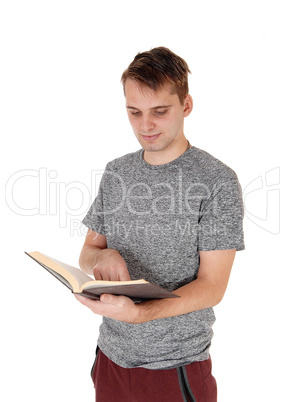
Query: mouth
[(150, 137)]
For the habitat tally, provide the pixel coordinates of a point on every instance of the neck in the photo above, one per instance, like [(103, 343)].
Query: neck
[(168, 154)]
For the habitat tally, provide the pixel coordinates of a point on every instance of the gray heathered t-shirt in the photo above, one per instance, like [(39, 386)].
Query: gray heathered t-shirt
[(159, 218)]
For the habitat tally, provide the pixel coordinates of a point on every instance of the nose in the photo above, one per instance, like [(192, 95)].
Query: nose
[(147, 124)]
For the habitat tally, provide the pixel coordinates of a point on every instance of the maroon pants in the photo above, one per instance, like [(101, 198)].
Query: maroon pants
[(193, 382)]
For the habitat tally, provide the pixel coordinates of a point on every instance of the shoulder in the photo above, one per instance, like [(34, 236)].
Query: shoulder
[(209, 168), (123, 162)]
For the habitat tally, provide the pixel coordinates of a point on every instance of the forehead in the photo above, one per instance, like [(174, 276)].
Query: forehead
[(143, 97)]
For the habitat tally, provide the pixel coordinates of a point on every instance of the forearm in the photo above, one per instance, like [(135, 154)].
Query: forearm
[(104, 263), (196, 295), (206, 291), (88, 258)]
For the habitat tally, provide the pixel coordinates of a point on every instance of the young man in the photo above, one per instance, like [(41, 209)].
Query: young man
[(172, 214)]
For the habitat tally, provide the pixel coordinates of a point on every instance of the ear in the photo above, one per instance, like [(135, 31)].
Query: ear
[(188, 105)]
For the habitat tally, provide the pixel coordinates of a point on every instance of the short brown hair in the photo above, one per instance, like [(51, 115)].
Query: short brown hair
[(158, 67)]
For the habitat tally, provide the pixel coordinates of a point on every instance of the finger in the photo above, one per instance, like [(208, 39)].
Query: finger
[(123, 273), (125, 276), (106, 298), (113, 299), (97, 274), (84, 300), (81, 299)]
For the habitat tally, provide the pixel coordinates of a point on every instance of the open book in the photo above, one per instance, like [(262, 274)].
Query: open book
[(80, 283)]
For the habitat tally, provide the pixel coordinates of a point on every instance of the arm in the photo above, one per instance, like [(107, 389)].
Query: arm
[(98, 260), (206, 291)]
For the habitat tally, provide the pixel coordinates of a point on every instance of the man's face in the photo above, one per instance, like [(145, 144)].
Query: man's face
[(157, 118)]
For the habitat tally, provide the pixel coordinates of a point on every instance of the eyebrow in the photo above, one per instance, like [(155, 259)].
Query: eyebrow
[(152, 108)]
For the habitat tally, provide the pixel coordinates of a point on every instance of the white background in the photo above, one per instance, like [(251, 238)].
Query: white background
[(63, 116)]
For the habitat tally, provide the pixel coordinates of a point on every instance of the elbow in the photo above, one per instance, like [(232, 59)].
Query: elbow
[(218, 296), (217, 301), (82, 260)]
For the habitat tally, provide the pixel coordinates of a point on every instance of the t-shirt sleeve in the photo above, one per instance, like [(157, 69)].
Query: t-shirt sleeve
[(221, 218), (94, 218)]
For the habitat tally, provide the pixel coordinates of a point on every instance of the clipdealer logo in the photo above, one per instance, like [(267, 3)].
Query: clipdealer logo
[(40, 192), (262, 201), (32, 192)]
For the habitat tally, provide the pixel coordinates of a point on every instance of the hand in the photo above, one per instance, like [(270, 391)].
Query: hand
[(119, 308), (110, 266)]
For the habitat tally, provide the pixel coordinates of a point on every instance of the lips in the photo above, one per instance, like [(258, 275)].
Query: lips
[(150, 137)]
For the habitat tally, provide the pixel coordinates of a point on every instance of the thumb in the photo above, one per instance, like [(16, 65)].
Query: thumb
[(106, 298)]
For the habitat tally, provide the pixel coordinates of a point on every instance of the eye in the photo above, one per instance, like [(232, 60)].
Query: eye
[(135, 113), (160, 112)]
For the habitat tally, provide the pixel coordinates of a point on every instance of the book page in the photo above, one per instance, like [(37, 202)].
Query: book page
[(79, 275), (57, 275), (74, 278), (101, 284)]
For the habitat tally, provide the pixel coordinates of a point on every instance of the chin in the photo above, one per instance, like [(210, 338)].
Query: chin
[(152, 147)]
